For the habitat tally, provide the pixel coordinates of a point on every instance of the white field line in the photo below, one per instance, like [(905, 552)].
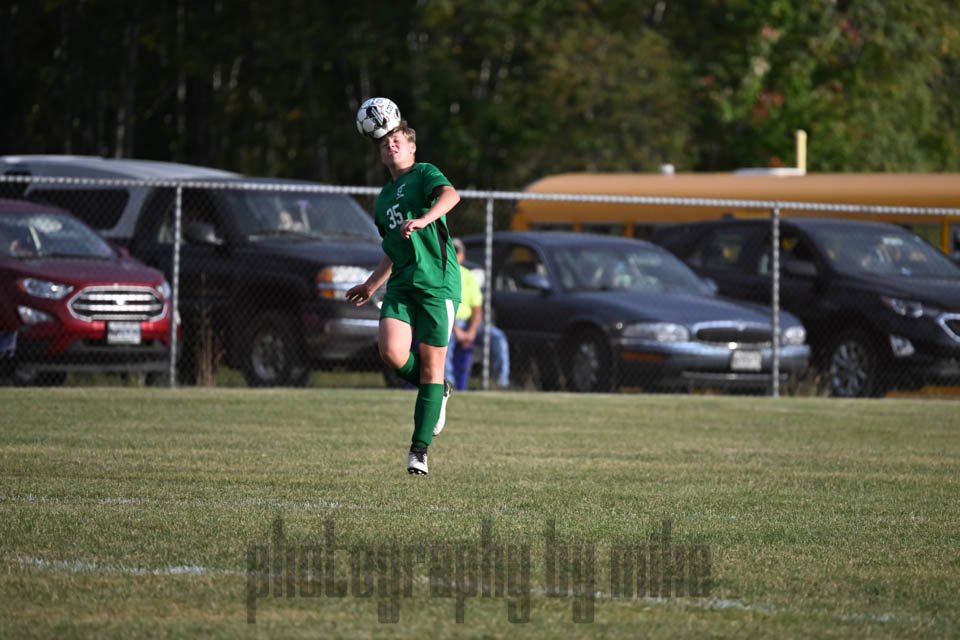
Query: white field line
[(319, 505), (82, 566), (713, 603), (252, 502)]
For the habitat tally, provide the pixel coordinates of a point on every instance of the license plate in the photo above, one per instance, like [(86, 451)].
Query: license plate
[(746, 361), (123, 333)]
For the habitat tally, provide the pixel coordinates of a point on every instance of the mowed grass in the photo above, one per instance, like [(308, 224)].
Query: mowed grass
[(129, 512)]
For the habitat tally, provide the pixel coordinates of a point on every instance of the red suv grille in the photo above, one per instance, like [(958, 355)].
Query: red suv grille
[(117, 303)]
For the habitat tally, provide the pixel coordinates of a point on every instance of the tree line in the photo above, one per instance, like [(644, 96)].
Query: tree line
[(501, 92)]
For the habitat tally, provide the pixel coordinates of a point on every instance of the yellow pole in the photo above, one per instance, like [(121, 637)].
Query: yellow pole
[(801, 150)]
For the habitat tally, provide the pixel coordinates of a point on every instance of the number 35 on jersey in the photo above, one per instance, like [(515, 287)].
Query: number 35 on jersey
[(394, 217)]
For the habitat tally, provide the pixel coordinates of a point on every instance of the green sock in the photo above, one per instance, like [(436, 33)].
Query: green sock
[(410, 372), (426, 413)]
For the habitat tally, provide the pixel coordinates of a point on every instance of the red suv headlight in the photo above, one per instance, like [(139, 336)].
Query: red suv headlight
[(44, 288)]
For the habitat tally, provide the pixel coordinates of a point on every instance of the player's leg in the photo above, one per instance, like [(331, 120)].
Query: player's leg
[(433, 360), (434, 325), (396, 338), (429, 415)]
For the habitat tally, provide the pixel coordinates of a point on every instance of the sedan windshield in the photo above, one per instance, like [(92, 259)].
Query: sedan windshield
[(610, 268), (41, 235), (884, 252), (261, 214)]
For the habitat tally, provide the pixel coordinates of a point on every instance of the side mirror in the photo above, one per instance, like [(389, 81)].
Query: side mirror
[(711, 286), (123, 251), (536, 281), (201, 233)]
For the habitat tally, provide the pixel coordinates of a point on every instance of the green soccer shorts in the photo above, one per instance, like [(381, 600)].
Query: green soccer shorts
[(431, 318)]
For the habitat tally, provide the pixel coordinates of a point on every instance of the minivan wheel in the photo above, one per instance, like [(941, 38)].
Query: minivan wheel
[(272, 354), (589, 365), (850, 370)]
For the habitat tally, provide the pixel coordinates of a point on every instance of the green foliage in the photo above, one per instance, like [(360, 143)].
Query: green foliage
[(501, 92), (872, 82)]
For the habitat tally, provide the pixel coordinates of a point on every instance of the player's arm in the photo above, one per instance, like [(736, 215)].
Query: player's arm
[(447, 199), (361, 293)]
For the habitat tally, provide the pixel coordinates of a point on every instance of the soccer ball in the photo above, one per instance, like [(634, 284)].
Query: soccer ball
[(377, 117)]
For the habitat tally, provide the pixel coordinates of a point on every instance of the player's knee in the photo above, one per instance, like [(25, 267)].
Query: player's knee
[(394, 358), (430, 372)]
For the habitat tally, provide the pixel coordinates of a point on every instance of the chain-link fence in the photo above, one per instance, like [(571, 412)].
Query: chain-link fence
[(244, 283)]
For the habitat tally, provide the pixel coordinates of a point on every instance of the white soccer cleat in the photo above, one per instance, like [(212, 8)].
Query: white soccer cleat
[(442, 420), (417, 461)]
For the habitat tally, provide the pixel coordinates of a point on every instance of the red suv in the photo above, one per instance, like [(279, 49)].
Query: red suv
[(69, 301)]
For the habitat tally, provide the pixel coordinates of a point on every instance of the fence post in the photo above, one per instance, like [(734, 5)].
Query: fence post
[(175, 285), (775, 302), (487, 292)]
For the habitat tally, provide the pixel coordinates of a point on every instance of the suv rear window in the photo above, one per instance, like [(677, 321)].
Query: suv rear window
[(259, 214), (99, 208)]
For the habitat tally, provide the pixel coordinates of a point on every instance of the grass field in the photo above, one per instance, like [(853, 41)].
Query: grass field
[(130, 512)]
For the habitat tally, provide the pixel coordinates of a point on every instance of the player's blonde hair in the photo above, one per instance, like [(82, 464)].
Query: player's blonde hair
[(407, 131)]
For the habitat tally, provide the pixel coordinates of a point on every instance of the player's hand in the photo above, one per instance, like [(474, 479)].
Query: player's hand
[(407, 227), (359, 294)]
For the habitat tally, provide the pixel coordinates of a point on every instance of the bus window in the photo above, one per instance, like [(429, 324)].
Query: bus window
[(551, 226), (605, 228), (929, 232)]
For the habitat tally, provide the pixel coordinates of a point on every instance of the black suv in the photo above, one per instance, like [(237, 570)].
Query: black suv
[(267, 270), (881, 306)]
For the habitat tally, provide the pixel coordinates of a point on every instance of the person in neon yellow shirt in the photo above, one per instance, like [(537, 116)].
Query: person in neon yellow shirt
[(468, 332)]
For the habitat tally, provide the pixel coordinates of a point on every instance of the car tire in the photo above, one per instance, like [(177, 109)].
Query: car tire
[(589, 363), (157, 379), (186, 370), (272, 352), (851, 367), (533, 371), (547, 371)]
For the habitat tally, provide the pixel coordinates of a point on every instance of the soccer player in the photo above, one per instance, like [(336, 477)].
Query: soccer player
[(423, 282)]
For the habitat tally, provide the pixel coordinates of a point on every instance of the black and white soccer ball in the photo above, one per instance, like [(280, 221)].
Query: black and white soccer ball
[(377, 117)]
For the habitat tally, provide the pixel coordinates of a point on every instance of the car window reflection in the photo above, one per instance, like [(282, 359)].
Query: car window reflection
[(613, 269), (884, 252)]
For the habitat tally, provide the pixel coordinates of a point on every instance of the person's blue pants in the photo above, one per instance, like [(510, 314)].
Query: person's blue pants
[(460, 360)]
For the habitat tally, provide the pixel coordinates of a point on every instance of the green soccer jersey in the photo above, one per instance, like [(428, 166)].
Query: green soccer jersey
[(427, 262)]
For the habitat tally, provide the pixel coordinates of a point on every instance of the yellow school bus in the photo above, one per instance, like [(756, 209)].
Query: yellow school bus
[(940, 190)]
